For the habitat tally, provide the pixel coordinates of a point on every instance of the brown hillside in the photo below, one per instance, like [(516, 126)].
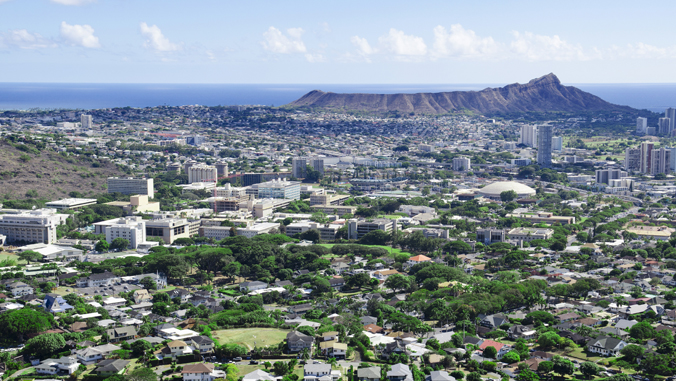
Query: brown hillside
[(50, 174)]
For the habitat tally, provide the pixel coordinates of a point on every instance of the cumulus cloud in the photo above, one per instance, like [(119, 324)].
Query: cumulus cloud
[(23, 39), (534, 47), (155, 40), (315, 58), (459, 42), (277, 42), (71, 2), (79, 35), (401, 44), (362, 44)]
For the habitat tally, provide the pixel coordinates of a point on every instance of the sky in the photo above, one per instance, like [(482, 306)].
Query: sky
[(341, 42)]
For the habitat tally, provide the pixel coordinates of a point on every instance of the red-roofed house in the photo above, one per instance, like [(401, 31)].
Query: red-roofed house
[(500, 347), (373, 328), (418, 259)]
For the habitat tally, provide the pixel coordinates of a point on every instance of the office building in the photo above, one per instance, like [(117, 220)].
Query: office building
[(664, 126), (222, 169), (603, 176), (176, 167), (461, 164), (247, 179), (335, 209), (672, 160), (646, 156), (328, 199), (641, 125), (170, 229), (327, 232), (133, 229), (557, 143), (130, 185), (671, 114), (632, 159), (529, 136), (195, 140), (521, 162), (357, 228), (35, 226), (86, 122), (300, 164), (279, 189), (545, 146), (202, 173), (70, 203), (426, 148), (661, 161), (529, 234), (254, 230), (229, 191)]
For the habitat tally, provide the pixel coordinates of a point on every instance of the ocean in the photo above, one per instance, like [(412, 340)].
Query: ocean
[(24, 96)]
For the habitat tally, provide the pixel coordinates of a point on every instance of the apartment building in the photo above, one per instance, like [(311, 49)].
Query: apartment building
[(461, 164), (603, 176), (133, 229), (300, 164), (202, 173), (130, 185), (33, 226)]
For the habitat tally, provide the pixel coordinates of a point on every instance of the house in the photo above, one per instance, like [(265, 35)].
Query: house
[(366, 320), (300, 309), (20, 288), (96, 280), (575, 337), (521, 332), (330, 336), (500, 347), (369, 374), (614, 331), (568, 317), (542, 355), (55, 303), (395, 347), (625, 324), (203, 343), (607, 346), (337, 283), (64, 365), (384, 274), (494, 321), (174, 349), (259, 375), (418, 259), (589, 322), (141, 296), (439, 375), (336, 349), (121, 334), (297, 341), (184, 295), (79, 326), (111, 367), (114, 302), (400, 372), (252, 286), (373, 328), (91, 355), (201, 372), (317, 372)]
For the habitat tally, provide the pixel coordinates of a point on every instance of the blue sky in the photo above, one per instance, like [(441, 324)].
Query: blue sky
[(425, 42)]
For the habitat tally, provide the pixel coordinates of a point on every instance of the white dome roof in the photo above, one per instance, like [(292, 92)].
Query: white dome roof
[(494, 189)]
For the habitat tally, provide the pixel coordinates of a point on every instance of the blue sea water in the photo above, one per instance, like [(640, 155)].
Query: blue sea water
[(22, 96)]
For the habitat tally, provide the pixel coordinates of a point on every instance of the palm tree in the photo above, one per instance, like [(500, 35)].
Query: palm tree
[(305, 354)]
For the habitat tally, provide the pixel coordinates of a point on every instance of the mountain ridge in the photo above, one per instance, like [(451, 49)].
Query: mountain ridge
[(541, 94)]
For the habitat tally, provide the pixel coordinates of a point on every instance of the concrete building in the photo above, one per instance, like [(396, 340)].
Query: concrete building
[(545, 146), (557, 143), (176, 167), (335, 209), (641, 125), (133, 229), (202, 173), (132, 186), (603, 176), (222, 169), (489, 236), (521, 162), (461, 164), (170, 229), (216, 232), (632, 159), (646, 157), (86, 122), (327, 232), (224, 204), (328, 199), (543, 217), (195, 140), (661, 161), (31, 226), (138, 203), (300, 164), (252, 231), (426, 148), (529, 136), (70, 203), (357, 228), (279, 189), (529, 234), (671, 114), (664, 127), (54, 252), (229, 191)]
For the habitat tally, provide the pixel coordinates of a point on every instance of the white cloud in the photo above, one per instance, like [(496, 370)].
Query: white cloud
[(155, 40), (363, 46), (534, 47), (277, 42), (459, 42), (72, 2), (79, 35), (23, 39), (314, 58), (326, 28), (403, 45)]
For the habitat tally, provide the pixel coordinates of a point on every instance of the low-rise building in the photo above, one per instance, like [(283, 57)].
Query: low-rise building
[(529, 234), (201, 372), (357, 228)]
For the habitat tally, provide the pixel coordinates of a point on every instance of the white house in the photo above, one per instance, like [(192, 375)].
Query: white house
[(52, 366), (607, 346), (201, 372)]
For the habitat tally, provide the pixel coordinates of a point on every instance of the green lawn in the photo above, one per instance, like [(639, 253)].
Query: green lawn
[(13, 257), (388, 248), (247, 336)]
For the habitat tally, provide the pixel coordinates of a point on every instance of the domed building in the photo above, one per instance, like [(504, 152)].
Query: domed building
[(492, 191)]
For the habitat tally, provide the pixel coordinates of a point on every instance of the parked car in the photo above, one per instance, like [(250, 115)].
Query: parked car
[(237, 359)]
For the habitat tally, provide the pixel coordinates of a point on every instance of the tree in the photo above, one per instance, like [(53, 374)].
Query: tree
[(548, 340), (545, 367), (632, 352), (45, 345), (511, 357), (280, 368), (102, 246), (24, 321), (142, 374), (29, 255), (527, 375), (474, 376), (119, 244), (457, 247), (375, 237), (397, 282), (232, 373), (311, 235), (563, 366), (508, 196), (231, 350), (490, 352), (589, 369), (139, 347), (458, 374), (642, 331), (148, 283)]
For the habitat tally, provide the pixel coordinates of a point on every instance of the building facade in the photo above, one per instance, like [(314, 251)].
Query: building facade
[(545, 146), (35, 226), (461, 164), (130, 185), (202, 173), (279, 189), (529, 136)]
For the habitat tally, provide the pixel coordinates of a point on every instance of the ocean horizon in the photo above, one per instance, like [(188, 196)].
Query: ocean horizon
[(26, 96)]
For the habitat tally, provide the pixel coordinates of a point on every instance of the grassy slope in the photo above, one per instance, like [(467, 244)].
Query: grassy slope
[(246, 336)]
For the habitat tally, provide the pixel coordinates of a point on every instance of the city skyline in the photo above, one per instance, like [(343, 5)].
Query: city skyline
[(108, 41)]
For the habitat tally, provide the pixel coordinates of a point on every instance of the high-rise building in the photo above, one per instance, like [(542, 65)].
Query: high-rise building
[(641, 125), (279, 189), (35, 226), (133, 229), (196, 140), (646, 156), (529, 136), (557, 143), (671, 114), (603, 176), (187, 165), (661, 161), (222, 169), (86, 122), (130, 185), (632, 159), (202, 173), (664, 127), (300, 164), (461, 164), (545, 146)]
